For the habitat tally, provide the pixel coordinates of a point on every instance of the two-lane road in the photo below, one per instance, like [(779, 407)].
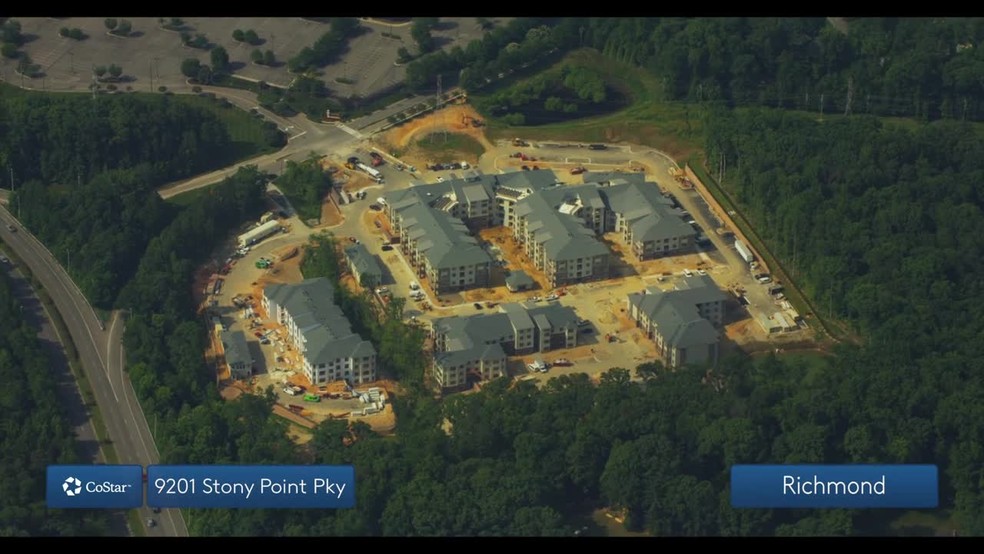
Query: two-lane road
[(102, 358)]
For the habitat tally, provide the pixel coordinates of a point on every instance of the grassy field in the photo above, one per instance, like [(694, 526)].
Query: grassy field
[(189, 198), (673, 127), (450, 147), (245, 130)]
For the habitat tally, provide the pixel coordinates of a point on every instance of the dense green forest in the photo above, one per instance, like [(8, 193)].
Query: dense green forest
[(881, 224), (565, 92), (87, 171), (928, 68), (34, 432), (305, 185), (884, 225), (518, 460)]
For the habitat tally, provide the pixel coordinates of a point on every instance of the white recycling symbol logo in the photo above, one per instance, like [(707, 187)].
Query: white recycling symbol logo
[(72, 486)]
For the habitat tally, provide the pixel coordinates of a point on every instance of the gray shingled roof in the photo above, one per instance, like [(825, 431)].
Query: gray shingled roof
[(363, 261), (562, 236), (519, 316), (608, 176), (326, 331), (518, 279), (443, 239), (659, 226), (475, 192), (236, 350), (629, 197), (467, 336), (674, 313)]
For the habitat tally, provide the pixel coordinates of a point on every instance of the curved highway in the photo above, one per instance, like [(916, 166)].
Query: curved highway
[(101, 353)]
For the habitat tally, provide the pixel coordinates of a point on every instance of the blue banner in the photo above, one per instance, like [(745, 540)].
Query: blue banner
[(250, 486), (95, 486), (834, 486)]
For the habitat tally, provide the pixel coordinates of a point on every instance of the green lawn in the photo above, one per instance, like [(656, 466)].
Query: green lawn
[(189, 198), (673, 127), (451, 147)]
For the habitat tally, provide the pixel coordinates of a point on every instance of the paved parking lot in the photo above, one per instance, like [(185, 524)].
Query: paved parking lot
[(152, 56)]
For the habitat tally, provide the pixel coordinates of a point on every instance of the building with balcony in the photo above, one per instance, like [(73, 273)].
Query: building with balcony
[(320, 332), (479, 345), (682, 322)]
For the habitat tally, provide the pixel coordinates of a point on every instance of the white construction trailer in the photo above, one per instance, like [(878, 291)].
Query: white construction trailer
[(744, 252), (259, 233)]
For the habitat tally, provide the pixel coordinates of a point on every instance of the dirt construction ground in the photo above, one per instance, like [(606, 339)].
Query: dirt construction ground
[(453, 119)]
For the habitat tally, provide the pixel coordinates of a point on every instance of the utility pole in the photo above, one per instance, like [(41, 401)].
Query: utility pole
[(437, 105), (821, 107), (12, 191), (850, 95)]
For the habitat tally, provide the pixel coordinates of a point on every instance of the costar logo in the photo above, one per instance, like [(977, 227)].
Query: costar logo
[(72, 487)]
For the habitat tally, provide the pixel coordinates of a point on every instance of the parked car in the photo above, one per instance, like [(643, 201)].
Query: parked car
[(387, 247), (563, 362), (478, 306)]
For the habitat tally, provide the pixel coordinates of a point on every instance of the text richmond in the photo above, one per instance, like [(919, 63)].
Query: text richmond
[(798, 486)]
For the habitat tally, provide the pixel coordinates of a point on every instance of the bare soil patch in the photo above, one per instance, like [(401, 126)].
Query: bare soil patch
[(401, 141)]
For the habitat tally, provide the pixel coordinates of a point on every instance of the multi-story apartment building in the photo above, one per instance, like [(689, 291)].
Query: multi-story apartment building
[(558, 243), (440, 249), (681, 322), (646, 221), (479, 344), (556, 224), (320, 332)]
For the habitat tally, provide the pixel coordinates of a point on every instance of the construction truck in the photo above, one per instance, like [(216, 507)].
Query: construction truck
[(352, 163), (376, 176)]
